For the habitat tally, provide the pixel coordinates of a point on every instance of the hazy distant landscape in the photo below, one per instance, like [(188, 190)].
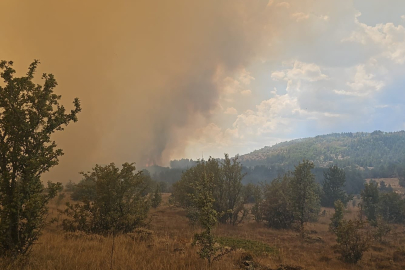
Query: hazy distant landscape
[(231, 134)]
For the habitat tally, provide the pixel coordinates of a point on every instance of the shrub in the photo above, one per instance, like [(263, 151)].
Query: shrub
[(119, 203), (337, 216), (352, 241)]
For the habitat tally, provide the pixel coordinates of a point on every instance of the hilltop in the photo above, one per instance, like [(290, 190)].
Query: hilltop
[(366, 151)]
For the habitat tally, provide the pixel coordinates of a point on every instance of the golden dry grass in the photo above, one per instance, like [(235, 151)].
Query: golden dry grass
[(170, 247)]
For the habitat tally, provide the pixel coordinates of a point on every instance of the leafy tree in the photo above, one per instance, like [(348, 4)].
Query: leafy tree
[(157, 197), (332, 186), (228, 195), (370, 199), (276, 208), (304, 197), (337, 218), (233, 191), (119, 205), (204, 202), (29, 114)]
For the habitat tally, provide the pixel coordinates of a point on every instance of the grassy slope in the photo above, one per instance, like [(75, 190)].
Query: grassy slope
[(170, 247)]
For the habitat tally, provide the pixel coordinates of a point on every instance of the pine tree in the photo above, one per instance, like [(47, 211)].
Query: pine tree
[(332, 186)]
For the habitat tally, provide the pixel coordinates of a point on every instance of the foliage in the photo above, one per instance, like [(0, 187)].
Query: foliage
[(157, 197), (233, 199), (352, 241), (337, 216), (370, 199), (119, 204), (256, 247), (276, 207), (204, 202), (332, 186), (29, 114), (228, 195), (304, 198)]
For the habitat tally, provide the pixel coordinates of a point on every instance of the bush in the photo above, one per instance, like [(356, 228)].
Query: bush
[(352, 241), (119, 203)]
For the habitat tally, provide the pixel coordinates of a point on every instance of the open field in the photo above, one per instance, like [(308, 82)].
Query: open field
[(169, 247)]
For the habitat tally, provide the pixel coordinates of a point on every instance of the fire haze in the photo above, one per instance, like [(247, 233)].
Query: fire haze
[(145, 71)]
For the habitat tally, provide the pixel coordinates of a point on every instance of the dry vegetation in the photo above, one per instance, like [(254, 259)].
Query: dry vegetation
[(166, 244)]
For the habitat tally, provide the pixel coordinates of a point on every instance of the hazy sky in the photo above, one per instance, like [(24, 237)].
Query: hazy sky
[(168, 79)]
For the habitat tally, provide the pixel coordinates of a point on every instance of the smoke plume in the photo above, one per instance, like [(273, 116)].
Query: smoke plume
[(146, 72)]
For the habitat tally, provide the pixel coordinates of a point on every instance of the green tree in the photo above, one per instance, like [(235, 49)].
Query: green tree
[(337, 217), (304, 195), (233, 191), (370, 201), (229, 197), (332, 186), (276, 208), (119, 205), (204, 202), (29, 114)]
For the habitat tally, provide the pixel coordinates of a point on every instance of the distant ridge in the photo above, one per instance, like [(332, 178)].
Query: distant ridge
[(361, 149)]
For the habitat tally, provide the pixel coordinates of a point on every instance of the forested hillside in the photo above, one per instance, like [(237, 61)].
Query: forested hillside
[(377, 154)]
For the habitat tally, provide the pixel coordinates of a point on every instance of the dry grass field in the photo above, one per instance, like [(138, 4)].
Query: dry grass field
[(166, 244)]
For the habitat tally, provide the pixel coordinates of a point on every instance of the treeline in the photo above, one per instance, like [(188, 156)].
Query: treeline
[(165, 177)]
